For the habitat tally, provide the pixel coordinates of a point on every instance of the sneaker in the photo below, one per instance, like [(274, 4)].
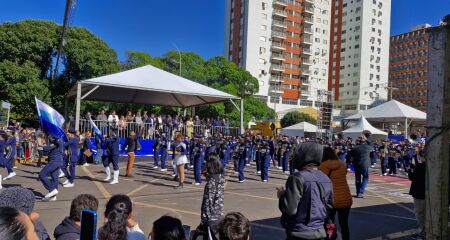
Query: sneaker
[(264, 180), (66, 182), (174, 175), (258, 172), (248, 164), (372, 166), (61, 174), (163, 169), (241, 181), (114, 182), (360, 195), (107, 179), (280, 168), (191, 166), (11, 175), (235, 172), (286, 172), (155, 167), (385, 174), (52, 199), (86, 165), (196, 184), (51, 194), (69, 185)]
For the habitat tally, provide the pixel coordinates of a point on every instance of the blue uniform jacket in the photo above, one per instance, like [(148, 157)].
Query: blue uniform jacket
[(55, 151)]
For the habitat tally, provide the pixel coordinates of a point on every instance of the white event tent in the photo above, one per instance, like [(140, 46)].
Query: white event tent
[(148, 85), (361, 126), (299, 129), (392, 112)]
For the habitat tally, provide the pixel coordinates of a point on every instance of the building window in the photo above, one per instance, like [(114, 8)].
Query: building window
[(263, 15), (263, 27), (262, 50), (262, 39), (264, 5)]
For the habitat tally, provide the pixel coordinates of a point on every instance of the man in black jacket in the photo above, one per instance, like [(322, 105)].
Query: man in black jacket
[(417, 191), (360, 155), (70, 227), (131, 145)]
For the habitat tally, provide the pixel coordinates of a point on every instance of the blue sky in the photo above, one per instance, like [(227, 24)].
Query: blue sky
[(156, 26)]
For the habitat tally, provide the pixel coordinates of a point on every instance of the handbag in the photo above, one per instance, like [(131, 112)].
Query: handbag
[(329, 225), (87, 153)]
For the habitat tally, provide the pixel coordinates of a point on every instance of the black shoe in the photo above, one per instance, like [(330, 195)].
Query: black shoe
[(360, 195), (180, 186), (175, 178)]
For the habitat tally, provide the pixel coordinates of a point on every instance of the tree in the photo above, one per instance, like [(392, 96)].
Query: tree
[(139, 59), (295, 117), (20, 84)]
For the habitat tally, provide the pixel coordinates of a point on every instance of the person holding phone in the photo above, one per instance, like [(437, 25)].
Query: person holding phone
[(119, 222), (70, 227)]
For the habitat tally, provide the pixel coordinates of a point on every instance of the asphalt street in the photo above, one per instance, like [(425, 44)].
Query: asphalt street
[(386, 212)]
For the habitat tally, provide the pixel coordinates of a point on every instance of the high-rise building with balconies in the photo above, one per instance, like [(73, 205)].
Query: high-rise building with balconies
[(284, 44), (359, 57)]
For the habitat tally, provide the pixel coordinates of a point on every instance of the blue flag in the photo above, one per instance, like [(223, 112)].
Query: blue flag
[(96, 130), (51, 120)]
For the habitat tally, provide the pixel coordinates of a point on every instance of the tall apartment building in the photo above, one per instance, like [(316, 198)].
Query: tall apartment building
[(360, 53), (408, 67), (284, 44)]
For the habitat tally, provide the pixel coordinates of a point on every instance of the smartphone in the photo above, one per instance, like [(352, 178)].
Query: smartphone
[(187, 231), (88, 225)]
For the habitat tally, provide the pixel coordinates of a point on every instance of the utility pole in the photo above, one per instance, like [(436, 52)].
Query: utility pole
[(438, 126), (69, 5)]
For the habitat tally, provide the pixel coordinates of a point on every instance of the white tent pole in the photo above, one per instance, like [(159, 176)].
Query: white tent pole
[(77, 111), (406, 128), (242, 116)]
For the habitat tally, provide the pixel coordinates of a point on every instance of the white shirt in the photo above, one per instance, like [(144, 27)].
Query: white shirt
[(113, 118)]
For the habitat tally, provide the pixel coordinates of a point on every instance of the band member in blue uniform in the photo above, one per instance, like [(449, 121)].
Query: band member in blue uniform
[(157, 150), (285, 148), (242, 158), (199, 156), (54, 151), (10, 153), (113, 152), (73, 148), (163, 150), (3, 137), (265, 156)]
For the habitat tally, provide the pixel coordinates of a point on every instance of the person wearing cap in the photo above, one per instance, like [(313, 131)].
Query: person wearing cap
[(72, 157), (10, 153), (23, 199), (55, 152), (113, 152), (285, 149), (307, 197)]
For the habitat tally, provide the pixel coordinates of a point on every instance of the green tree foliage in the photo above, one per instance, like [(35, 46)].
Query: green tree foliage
[(295, 117), (139, 59), (27, 56), (20, 84)]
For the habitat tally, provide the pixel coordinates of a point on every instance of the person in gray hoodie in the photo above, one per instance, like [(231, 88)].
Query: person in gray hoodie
[(307, 197), (70, 227)]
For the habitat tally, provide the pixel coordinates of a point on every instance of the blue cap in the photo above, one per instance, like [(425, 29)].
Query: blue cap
[(72, 131)]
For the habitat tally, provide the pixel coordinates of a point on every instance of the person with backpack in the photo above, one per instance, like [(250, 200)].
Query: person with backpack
[(307, 197)]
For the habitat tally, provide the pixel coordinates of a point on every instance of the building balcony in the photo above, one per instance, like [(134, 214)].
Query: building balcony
[(308, 20), (308, 1), (277, 34), (281, 3), (305, 72), (307, 40), (305, 81), (306, 51), (309, 10), (277, 57), (307, 31), (305, 93), (279, 13), (280, 24), (275, 90), (276, 79), (306, 61), (276, 68), (278, 46)]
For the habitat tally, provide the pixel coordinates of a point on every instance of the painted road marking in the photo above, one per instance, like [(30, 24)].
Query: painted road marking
[(100, 186)]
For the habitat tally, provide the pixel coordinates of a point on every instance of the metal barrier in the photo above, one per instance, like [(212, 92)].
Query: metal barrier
[(147, 130)]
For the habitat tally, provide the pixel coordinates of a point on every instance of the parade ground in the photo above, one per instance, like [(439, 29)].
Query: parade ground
[(385, 213)]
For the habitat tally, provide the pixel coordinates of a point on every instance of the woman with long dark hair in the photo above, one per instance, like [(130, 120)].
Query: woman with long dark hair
[(119, 224), (336, 170)]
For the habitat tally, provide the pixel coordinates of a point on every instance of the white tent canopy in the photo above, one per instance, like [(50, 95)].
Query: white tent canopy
[(299, 129), (148, 85), (361, 126), (392, 111)]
